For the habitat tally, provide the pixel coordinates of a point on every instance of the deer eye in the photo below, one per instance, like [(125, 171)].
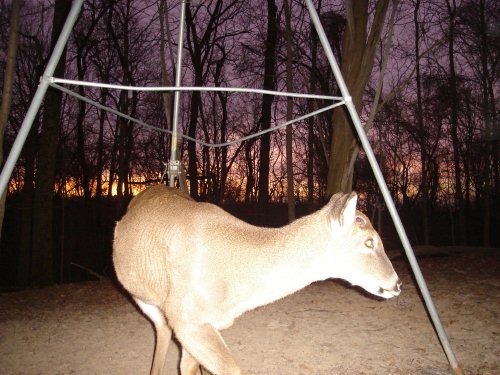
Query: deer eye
[(360, 221), (370, 243)]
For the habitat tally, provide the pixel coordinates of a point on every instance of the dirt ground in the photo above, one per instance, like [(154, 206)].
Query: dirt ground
[(327, 328)]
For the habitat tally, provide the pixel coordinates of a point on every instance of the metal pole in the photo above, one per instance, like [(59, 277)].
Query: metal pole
[(198, 141), (174, 163), (54, 80), (39, 95), (431, 308)]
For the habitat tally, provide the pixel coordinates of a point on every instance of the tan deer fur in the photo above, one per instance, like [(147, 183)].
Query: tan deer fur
[(193, 268)]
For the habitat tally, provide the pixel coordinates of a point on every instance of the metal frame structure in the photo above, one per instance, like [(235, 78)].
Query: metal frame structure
[(174, 164)]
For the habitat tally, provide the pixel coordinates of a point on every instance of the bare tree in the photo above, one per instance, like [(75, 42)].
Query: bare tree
[(30, 66), (421, 128), (7, 86), (360, 42), (85, 41), (42, 259), (119, 26), (479, 39), (289, 113), (202, 43), (454, 102), (267, 102)]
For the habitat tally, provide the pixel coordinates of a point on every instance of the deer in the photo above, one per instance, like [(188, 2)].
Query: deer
[(192, 268)]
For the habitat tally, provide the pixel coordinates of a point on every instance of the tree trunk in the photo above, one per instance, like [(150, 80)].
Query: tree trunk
[(25, 237), (42, 260), (250, 182), (221, 190), (489, 115), (195, 105), (311, 121), (7, 87), (193, 162), (358, 57), (114, 157), (289, 115), (421, 131), (459, 202), (80, 142), (122, 144), (221, 153), (267, 102), (100, 145)]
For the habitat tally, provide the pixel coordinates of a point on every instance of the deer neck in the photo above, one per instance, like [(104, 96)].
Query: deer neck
[(293, 259)]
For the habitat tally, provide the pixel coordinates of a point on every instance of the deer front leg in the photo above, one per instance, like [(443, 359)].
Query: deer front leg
[(203, 344)]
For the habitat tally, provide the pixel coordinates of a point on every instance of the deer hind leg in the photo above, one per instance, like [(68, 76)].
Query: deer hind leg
[(203, 344), (163, 334), (189, 365)]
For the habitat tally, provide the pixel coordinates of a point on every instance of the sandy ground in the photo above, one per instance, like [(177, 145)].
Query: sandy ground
[(327, 328)]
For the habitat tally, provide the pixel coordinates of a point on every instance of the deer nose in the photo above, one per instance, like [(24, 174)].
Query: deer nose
[(398, 286)]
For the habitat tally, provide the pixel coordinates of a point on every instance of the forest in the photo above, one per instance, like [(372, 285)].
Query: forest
[(423, 75)]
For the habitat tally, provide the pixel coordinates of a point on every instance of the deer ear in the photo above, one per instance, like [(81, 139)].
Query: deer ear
[(342, 210), (348, 213)]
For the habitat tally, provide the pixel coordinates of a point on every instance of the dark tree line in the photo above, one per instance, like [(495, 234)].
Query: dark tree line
[(434, 125)]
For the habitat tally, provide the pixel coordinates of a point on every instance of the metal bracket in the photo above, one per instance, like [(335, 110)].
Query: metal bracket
[(174, 168)]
